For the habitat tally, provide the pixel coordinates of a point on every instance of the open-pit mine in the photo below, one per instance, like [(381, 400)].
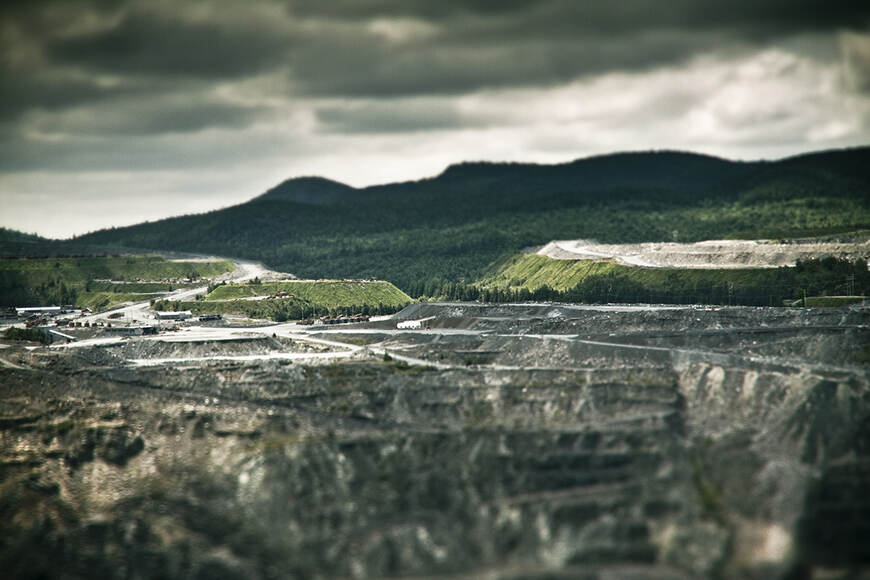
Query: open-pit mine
[(451, 440)]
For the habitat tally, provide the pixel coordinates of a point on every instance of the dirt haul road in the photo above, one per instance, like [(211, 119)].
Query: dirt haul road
[(707, 254), (244, 272)]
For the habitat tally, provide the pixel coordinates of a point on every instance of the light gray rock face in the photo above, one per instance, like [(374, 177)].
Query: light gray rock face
[(558, 443)]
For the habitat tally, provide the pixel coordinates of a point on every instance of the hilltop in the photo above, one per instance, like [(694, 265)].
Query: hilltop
[(308, 190), (450, 227)]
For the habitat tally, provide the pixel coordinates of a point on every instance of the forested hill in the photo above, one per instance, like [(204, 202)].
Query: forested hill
[(7, 235), (309, 190), (453, 225)]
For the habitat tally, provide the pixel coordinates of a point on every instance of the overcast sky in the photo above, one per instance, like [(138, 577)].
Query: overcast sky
[(115, 112)]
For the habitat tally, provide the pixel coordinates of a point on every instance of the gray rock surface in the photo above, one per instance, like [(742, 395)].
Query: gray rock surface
[(556, 442)]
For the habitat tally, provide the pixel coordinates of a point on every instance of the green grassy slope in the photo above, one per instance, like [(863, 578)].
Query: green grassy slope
[(531, 271), (324, 293), (28, 281), (530, 276), (305, 299)]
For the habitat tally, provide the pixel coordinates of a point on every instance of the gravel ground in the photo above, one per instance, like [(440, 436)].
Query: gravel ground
[(544, 441)]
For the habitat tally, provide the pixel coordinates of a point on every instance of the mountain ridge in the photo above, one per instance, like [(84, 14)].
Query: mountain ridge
[(452, 225)]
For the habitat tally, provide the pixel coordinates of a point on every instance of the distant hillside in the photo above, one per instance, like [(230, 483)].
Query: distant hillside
[(96, 282), (7, 235), (15, 243), (450, 227)]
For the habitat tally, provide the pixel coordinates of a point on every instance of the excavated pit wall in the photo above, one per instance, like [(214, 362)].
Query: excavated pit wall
[(551, 458)]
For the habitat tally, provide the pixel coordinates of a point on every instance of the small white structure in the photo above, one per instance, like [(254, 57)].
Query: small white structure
[(169, 315), (63, 335), (411, 324)]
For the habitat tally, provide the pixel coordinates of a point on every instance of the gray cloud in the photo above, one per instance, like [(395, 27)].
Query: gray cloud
[(140, 117), (604, 15), (144, 43), (504, 21), (856, 61), (19, 93), (478, 45), (376, 70), (392, 116), (110, 152), (346, 48)]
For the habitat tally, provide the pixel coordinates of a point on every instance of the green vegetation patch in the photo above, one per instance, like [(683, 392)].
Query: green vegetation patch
[(532, 271), (139, 287), (534, 277), (99, 301), (93, 281), (289, 300), (322, 293), (326, 294), (130, 268), (279, 310), (32, 334)]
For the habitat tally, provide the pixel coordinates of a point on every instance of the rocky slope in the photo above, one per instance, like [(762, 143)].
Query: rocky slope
[(555, 442)]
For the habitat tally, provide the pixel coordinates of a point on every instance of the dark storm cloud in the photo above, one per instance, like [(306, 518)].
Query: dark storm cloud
[(144, 117), (474, 45), (103, 152), (28, 80), (66, 54), (442, 68), (19, 92), (605, 16), (330, 47), (140, 72), (159, 45)]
